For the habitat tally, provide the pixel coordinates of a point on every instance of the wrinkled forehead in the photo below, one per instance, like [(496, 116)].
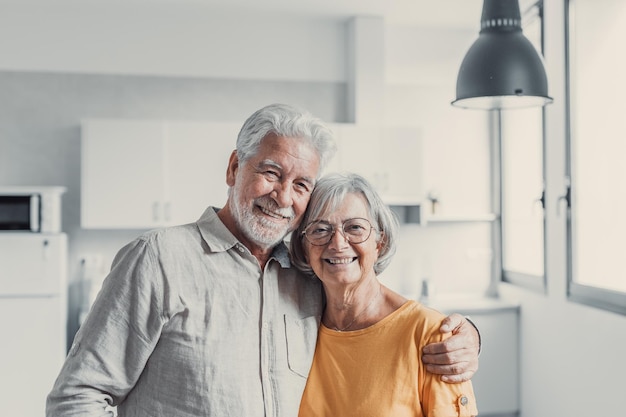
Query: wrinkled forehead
[(289, 152)]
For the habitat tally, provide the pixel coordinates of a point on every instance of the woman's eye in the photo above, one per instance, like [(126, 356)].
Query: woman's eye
[(354, 228), (320, 230)]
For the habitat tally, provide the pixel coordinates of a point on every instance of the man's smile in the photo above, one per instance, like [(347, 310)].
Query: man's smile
[(273, 214)]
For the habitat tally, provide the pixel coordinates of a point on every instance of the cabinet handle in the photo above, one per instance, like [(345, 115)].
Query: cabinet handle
[(167, 211), (46, 249), (155, 211)]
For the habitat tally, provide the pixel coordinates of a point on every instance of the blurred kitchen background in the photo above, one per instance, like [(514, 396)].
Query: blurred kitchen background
[(132, 108)]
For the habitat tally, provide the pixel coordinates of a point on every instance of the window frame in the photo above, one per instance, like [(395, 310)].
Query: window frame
[(602, 298)]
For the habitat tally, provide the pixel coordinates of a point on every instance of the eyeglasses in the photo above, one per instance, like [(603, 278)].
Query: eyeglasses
[(355, 231)]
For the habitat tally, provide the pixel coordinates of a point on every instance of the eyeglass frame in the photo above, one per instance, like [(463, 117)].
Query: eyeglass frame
[(341, 230)]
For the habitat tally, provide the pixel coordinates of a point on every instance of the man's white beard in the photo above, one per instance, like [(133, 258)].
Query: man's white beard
[(259, 230)]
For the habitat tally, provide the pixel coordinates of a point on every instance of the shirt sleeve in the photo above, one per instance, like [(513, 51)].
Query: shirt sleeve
[(114, 343), (441, 399)]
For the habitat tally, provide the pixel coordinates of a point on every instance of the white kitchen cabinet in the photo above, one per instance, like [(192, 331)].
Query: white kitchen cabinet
[(198, 157), (33, 307), (389, 157), (122, 173), (148, 173)]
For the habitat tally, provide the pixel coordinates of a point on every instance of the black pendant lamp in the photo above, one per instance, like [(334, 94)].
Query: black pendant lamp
[(502, 69)]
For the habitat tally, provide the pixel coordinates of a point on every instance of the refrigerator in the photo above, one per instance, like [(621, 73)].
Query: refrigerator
[(33, 319)]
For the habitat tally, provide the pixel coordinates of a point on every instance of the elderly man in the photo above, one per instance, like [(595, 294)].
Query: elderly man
[(208, 318)]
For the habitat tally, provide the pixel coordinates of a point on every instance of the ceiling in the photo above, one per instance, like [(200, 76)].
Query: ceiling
[(459, 14)]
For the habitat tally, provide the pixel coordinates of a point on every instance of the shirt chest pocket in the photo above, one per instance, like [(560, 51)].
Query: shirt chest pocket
[(300, 338)]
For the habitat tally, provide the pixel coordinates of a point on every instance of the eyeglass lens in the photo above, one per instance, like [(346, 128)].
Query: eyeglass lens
[(355, 230)]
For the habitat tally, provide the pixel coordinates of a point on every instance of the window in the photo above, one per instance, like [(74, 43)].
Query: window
[(597, 145), (522, 209)]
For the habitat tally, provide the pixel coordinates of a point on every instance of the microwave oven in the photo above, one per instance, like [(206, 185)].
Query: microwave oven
[(30, 209)]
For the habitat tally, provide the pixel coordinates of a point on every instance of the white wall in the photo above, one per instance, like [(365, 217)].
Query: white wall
[(157, 40)]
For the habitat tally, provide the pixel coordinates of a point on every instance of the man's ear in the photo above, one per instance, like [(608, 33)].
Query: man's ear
[(233, 167)]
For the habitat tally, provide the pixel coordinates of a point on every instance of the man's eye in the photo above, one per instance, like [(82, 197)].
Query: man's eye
[(272, 174), (303, 187)]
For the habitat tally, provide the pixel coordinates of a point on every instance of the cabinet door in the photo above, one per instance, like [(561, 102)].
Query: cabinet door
[(198, 155), (389, 157), (122, 174), (33, 307), (33, 350), (33, 264), (496, 383), (359, 152), (334, 164), (401, 151)]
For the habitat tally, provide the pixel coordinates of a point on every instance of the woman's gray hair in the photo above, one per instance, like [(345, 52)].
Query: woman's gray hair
[(330, 191), (288, 121)]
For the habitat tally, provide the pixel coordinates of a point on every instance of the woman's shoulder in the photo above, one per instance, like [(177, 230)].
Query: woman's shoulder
[(426, 320)]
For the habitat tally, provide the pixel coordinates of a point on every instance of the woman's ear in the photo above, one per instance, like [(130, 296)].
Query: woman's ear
[(382, 242), (232, 168)]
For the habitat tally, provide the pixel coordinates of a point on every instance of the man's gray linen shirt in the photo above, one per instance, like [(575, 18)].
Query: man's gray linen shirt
[(187, 324)]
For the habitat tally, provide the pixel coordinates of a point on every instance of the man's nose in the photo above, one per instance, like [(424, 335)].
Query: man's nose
[(283, 195)]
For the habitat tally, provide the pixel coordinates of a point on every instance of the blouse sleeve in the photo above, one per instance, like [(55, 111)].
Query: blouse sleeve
[(441, 399)]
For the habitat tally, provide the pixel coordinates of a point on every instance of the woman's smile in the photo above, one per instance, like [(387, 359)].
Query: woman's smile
[(340, 261)]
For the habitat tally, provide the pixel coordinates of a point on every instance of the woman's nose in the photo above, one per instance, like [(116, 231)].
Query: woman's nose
[(338, 239)]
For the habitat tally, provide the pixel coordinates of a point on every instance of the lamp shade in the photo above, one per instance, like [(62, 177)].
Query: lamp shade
[(502, 69)]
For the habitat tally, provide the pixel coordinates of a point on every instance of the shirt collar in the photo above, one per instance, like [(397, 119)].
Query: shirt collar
[(219, 239)]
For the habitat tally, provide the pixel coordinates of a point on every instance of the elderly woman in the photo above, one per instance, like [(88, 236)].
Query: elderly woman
[(366, 361)]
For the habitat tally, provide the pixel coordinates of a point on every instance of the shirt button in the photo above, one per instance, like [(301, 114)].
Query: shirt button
[(240, 248), (463, 400)]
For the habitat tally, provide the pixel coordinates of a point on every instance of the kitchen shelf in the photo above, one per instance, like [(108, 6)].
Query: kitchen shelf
[(413, 213), (460, 218)]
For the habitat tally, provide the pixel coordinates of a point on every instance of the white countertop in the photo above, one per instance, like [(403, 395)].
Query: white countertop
[(465, 304)]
